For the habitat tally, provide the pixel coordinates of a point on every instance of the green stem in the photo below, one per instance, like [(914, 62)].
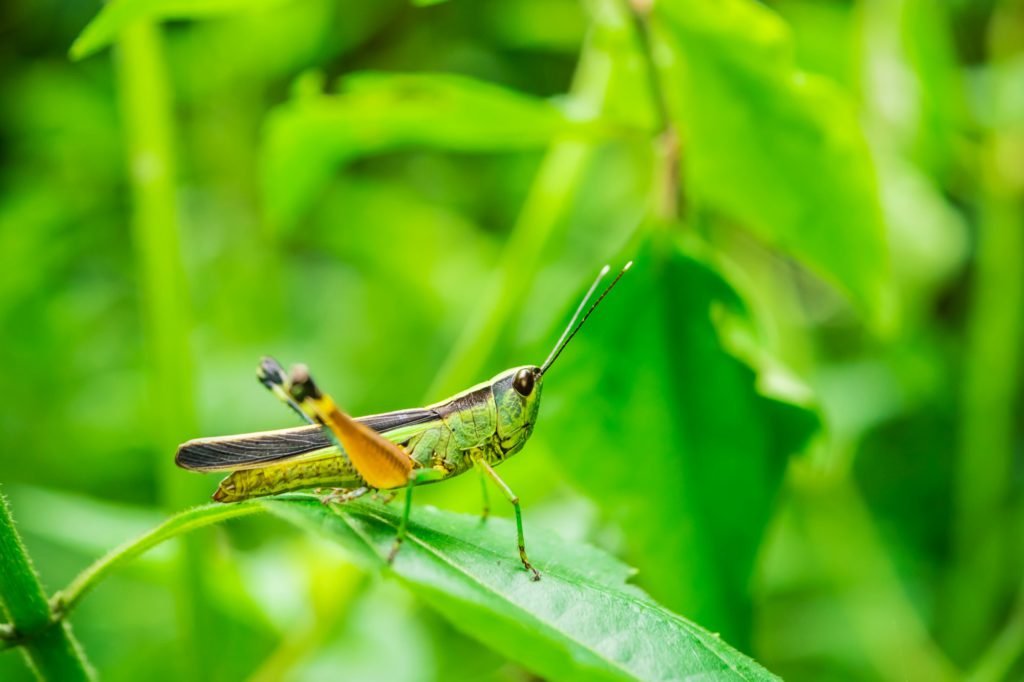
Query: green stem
[(983, 573), (882, 619), (50, 648), (547, 203), (183, 522), (668, 184), (147, 111), (1004, 652)]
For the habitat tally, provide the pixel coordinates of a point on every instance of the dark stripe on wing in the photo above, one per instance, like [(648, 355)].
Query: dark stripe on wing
[(249, 450), (389, 421)]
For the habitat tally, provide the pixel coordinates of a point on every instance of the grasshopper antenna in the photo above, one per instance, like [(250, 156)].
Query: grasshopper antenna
[(570, 330)]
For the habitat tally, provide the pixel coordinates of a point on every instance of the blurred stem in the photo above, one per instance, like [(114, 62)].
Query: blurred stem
[(190, 519), (332, 595), (147, 113), (991, 389), (1004, 652), (669, 198), (549, 199), (841, 531), (49, 646)]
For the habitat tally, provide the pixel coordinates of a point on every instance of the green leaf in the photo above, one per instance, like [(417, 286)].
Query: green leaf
[(310, 137), (118, 14), (581, 621), (677, 443), (779, 150)]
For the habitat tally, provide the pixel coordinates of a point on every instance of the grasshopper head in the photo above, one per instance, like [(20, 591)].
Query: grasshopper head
[(517, 390), (517, 397)]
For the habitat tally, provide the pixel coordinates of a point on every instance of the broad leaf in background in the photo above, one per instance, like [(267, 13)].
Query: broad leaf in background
[(779, 150), (118, 14), (581, 621), (699, 452), (310, 137)]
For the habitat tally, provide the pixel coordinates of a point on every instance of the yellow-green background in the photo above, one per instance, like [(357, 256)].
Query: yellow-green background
[(799, 417)]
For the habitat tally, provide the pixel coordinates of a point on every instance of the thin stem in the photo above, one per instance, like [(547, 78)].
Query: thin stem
[(640, 14), (669, 200), (147, 111), (190, 519), (982, 576), (845, 541), (50, 648), (1004, 652), (549, 200)]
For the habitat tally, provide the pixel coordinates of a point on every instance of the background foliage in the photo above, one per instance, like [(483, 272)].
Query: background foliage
[(799, 417)]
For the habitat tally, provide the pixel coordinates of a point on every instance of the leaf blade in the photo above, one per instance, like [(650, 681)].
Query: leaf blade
[(581, 621), (779, 150), (310, 137)]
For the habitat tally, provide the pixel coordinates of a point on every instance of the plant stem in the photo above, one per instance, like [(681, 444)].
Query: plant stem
[(183, 522), (668, 184), (1004, 652), (147, 111), (548, 201), (50, 648), (889, 631), (983, 572)]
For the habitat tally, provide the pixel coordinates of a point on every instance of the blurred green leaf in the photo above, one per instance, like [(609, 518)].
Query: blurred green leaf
[(701, 451), (581, 621), (779, 150), (118, 14), (308, 138)]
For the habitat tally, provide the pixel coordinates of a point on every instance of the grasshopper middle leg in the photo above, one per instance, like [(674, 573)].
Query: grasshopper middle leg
[(514, 499)]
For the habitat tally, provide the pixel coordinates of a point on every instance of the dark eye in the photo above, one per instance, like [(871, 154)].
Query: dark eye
[(523, 382)]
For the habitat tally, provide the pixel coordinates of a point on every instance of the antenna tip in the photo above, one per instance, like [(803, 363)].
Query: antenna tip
[(628, 266), (604, 271)]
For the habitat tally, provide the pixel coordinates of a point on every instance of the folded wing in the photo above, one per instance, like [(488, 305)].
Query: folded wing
[(251, 450)]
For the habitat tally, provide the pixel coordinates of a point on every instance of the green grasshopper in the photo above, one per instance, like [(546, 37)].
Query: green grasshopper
[(478, 428)]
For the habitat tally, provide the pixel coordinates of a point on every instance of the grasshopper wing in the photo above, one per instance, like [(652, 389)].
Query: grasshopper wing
[(253, 450)]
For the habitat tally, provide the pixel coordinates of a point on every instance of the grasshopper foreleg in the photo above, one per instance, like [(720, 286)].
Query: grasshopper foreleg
[(514, 499), (483, 490)]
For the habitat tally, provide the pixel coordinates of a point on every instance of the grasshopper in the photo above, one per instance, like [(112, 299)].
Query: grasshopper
[(478, 428)]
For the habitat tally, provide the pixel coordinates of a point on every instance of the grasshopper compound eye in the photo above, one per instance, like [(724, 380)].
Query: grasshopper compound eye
[(523, 383)]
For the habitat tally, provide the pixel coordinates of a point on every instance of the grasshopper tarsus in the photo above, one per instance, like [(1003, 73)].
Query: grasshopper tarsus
[(394, 551)]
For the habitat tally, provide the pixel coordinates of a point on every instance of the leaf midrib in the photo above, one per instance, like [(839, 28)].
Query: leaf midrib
[(597, 587)]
